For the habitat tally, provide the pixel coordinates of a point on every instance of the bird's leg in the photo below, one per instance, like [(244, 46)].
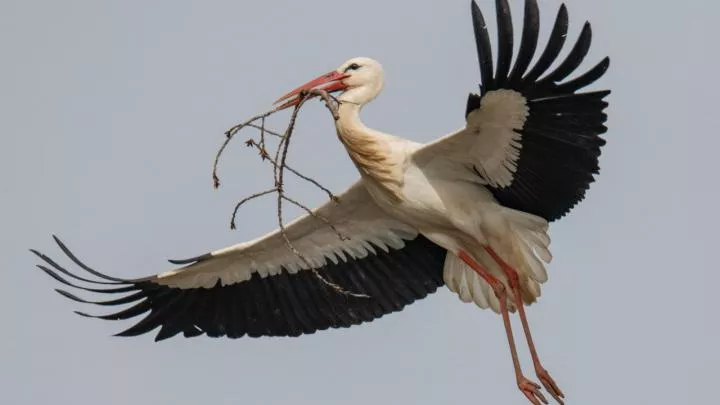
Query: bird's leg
[(514, 281), (529, 388)]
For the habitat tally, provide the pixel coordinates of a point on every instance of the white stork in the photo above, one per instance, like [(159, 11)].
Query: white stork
[(469, 210)]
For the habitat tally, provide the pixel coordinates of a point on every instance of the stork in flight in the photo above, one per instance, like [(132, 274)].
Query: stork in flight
[(469, 210)]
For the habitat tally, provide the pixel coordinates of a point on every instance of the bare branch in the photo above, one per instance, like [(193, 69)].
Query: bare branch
[(316, 215), (229, 134), (246, 199), (279, 162), (263, 154), (330, 102), (337, 287), (330, 194), (262, 128)]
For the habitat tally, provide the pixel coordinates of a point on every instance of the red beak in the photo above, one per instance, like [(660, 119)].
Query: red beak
[(332, 80)]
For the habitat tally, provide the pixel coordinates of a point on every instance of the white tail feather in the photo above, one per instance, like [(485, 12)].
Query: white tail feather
[(526, 248), (468, 285)]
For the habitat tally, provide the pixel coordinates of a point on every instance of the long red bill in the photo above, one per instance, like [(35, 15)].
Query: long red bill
[(332, 80)]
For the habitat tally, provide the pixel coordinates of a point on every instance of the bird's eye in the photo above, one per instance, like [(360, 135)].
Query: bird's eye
[(354, 66)]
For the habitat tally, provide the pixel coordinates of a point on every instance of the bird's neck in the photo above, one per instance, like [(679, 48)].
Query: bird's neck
[(370, 150)]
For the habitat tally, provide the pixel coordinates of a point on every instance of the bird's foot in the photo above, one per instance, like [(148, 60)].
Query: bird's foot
[(531, 391), (549, 384)]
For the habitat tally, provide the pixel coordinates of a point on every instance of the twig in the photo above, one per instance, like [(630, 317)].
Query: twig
[(279, 162), (263, 152), (264, 155), (229, 134), (262, 128), (246, 199), (316, 215)]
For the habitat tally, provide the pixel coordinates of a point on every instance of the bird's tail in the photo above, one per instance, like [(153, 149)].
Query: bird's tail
[(525, 248)]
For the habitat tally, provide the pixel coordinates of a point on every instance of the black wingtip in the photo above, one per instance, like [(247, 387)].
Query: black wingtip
[(505, 41), (70, 296), (57, 277), (552, 48), (528, 43), (59, 268), (37, 253), (191, 260), (606, 62), (575, 58), (85, 267), (58, 241), (586, 79), (587, 32), (475, 11), (84, 315), (484, 50)]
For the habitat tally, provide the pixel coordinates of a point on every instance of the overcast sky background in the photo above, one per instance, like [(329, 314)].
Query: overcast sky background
[(112, 112)]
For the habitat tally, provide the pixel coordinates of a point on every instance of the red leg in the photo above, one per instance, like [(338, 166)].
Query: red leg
[(514, 281), (529, 388)]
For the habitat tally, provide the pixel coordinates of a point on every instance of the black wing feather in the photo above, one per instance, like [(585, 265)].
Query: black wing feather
[(590, 77), (528, 44), (561, 136), (177, 322), (95, 290), (278, 305), (573, 59), (484, 51), (505, 42), (553, 47)]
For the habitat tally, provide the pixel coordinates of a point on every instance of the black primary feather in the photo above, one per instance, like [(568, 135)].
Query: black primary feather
[(561, 136)]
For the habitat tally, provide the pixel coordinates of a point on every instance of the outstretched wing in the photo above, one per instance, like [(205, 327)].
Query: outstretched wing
[(533, 140), (262, 288)]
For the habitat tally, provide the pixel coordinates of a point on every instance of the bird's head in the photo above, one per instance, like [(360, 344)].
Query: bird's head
[(360, 80)]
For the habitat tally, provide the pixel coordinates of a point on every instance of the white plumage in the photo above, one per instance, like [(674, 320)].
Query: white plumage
[(469, 210)]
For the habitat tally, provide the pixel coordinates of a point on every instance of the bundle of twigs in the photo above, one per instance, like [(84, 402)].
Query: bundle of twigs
[(278, 159)]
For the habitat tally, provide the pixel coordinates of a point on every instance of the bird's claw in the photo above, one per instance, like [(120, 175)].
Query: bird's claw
[(531, 391), (550, 384)]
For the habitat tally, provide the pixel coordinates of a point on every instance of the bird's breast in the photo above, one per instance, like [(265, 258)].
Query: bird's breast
[(376, 160)]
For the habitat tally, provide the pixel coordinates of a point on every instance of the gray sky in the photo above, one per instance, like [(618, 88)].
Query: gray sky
[(112, 112)]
